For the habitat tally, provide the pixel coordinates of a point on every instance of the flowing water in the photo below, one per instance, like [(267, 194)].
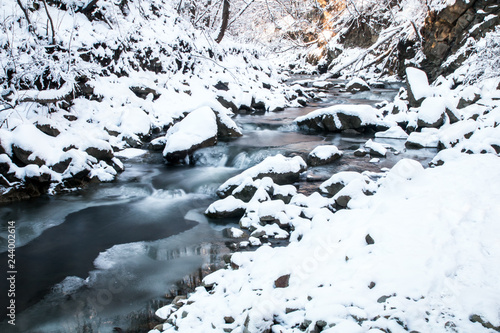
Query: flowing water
[(102, 259)]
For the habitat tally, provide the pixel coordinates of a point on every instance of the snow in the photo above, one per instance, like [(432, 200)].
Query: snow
[(197, 127), (336, 276), (425, 139), (394, 132), (131, 153)]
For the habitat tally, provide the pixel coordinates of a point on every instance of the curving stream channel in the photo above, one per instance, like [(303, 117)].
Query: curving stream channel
[(102, 259)]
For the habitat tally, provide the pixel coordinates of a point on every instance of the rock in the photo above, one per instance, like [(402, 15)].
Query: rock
[(343, 200), (324, 155), (338, 181), (100, 153), (469, 100), (228, 320), (226, 127), (158, 144), (339, 118), (25, 156), (61, 166), (478, 319), (144, 92), (234, 233), (432, 113), (178, 300), (70, 117), (418, 140), (360, 152), (197, 130), (357, 85), (224, 86), (228, 207), (418, 86), (225, 102), (281, 169), (322, 84), (48, 129), (369, 240), (395, 132), (376, 149), (282, 281)]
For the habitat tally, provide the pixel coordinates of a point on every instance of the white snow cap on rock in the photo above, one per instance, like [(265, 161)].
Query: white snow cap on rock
[(418, 83), (198, 126)]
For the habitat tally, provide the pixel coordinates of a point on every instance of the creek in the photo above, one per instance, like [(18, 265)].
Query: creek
[(102, 259)]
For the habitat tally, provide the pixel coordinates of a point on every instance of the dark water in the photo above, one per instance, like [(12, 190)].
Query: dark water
[(104, 257)]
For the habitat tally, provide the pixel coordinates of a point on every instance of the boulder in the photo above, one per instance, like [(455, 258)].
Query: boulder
[(323, 155), (229, 207), (101, 152), (25, 156), (339, 118), (424, 139), (376, 149), (226, 127), (418, 86), (432, 113), (48, 129), (197, 130), (357, 85)]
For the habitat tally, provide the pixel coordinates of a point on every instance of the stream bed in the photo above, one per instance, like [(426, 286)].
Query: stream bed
[(104, 258)]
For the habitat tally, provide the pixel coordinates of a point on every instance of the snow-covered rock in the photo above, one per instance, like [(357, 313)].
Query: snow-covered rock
[(376, 149), (227, 207), (197, 130), (342, 117), (323, 155), (338, 181), (356, 85), (281, 169), (418, 85), (432, 112)]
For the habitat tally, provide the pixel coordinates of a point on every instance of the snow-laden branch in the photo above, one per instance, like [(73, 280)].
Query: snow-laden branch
[(370, 49)]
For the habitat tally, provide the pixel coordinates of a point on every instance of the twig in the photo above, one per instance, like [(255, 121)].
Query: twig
[(51, 22)]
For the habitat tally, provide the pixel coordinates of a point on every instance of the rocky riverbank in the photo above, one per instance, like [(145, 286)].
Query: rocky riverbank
[(369, 245)]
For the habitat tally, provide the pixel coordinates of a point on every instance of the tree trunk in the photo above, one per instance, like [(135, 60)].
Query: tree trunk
[(225, 19)]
